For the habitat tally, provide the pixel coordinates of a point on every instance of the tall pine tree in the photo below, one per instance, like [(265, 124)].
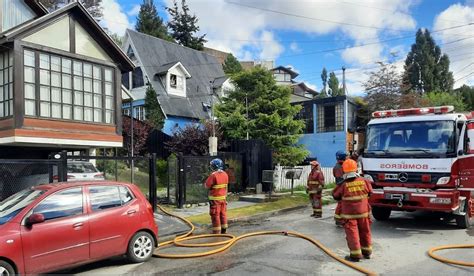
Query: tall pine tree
[(154, 114), (150, 23), (184, 26), (324, 78), (426, 69), (94, 7), (333, 84), (270, 117)]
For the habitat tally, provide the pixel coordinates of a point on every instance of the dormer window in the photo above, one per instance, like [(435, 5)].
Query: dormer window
[(176, 75), (176, 81)]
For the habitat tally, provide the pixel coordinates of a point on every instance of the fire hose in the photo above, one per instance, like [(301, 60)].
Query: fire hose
[(179, 241), (446, 260)]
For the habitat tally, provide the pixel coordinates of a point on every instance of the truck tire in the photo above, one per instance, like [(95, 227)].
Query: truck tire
[(381, 213), (464, 221)]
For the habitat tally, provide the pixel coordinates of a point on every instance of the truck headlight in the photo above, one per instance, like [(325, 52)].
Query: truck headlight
[(440, 200), (443, 180), (368, 177)]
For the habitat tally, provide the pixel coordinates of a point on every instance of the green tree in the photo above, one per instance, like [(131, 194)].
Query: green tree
[(116, 38), (333, 84), (467, 93), (94, 7), (271, 117), (382, 88), (438, 98), (154, 114), (426, 69), (231, 65), (150, 23), (324, 78), (184, 26)]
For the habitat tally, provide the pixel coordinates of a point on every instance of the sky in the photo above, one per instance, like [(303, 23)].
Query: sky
[(311, 34)]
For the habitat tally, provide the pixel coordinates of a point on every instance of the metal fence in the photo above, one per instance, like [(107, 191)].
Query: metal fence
[(16, 175), (280, 183), (186, 175)]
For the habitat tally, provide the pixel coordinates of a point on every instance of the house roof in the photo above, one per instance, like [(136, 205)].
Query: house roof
[(292, 73), (163, 69), (82, 16), (37, 7), (306, 88), (156, 54)]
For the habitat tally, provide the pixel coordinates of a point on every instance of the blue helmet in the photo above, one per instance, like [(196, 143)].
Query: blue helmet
[(340, 155), (217, 164)]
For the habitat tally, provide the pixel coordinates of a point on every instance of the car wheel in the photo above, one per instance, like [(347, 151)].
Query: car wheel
[(6, 269), (381, 213), (140, 247)]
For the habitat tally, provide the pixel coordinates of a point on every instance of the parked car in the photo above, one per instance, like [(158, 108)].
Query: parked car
[(56, 226), (83, 170)]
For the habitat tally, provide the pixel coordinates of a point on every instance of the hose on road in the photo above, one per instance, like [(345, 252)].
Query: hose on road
[(450, 261), (179, 241)]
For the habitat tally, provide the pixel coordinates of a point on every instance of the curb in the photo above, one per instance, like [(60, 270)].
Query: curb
[(266, 214)]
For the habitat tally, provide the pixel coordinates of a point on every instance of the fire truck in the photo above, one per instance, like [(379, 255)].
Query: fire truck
[(421, 159)]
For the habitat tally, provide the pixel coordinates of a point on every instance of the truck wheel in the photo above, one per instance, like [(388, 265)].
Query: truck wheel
[(464, 222), (6, 268), (381, 213)]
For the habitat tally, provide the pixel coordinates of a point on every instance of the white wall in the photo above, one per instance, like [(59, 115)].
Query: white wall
[(281, 183)]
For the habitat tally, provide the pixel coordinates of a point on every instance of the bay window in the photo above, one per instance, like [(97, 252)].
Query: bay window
[(69, 89), (6, 84)]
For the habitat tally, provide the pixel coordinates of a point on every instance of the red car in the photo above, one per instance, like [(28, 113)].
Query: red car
[(55, 226)]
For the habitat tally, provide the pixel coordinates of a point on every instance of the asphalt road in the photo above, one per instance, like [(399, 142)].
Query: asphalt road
[(400, 247)]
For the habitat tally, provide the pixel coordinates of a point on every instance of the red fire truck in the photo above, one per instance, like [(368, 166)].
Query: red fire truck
[(421, 159)]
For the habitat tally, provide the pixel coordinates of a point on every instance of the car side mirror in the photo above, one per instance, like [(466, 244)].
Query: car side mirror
[(35, 219), (460, 152)]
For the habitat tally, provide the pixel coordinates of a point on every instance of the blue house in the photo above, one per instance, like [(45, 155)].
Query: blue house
[(183, 79), (330, 123)]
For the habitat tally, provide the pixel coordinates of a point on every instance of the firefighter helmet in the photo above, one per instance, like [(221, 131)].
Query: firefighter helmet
[(340, 155), (217, 164), (349, 166), (314, 163)]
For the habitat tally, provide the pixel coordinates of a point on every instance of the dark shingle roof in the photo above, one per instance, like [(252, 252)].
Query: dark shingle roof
[(157, 54)]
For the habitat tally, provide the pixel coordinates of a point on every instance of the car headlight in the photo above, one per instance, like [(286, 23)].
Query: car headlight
[(443, 180), (368, 177), (440, 200)]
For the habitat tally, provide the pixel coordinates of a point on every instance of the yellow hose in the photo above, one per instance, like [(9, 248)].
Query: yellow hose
[(446, 260), (178, 241)]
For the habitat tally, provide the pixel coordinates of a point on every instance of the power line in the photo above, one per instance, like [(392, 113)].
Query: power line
[(311, 18)]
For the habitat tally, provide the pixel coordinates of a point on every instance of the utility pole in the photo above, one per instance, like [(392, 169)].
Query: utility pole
[(344, 80), (132, 173), (247, 113), (213, 138)]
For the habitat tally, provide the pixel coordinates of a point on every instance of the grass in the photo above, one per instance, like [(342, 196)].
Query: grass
[(303, 188), (298, 199)]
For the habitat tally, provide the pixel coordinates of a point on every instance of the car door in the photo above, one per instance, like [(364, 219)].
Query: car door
[(114, 216), (63, 238)]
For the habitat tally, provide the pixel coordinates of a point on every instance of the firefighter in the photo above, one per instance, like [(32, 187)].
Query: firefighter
[(355, 211), (314, 188), (217, 185), (338, 174)]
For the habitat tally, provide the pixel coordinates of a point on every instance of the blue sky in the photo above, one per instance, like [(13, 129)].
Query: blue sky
[(309, 35)]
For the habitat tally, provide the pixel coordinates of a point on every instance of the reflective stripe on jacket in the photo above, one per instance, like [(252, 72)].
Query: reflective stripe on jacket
[(217, 185), (315, 179), (354, 194)]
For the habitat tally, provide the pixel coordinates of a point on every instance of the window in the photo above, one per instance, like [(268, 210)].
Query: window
[(126, 112), (137, 78), (62, 204), (55, 35), (104, 197), (173, 81), (331, 117), (68, 89), (125, 195), (139, 113), (306, 114), (6, 84), (126, 80)]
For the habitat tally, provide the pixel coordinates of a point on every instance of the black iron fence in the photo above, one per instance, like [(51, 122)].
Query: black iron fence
[(16, 175), (186, 175)]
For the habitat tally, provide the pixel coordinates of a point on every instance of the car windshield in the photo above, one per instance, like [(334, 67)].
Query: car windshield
[(11, 206), (430, 138), (81, 168)]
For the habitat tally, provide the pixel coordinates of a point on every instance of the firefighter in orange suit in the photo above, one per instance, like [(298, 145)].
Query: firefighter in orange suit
[(355, 211), (217, 185), (314, 188), (338, 174)]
